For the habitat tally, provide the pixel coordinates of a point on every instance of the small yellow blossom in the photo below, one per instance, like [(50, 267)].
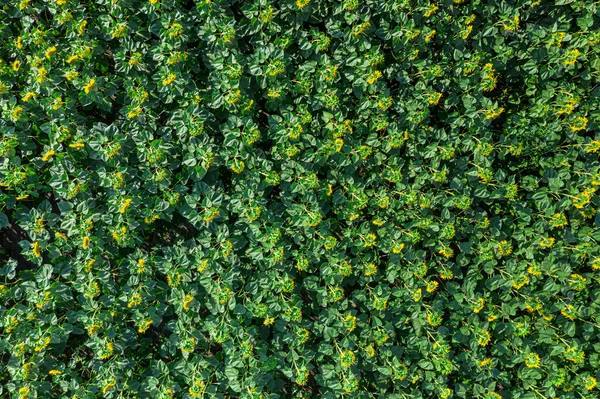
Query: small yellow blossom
[(187, 301), (143, 327), (571, 57), (50, 51), (36, 249), (81, 27), (42, 72), (125, 205), (28, 96), (46, 157), (170, 79), (580, 123), (90, 86), (86, 242)]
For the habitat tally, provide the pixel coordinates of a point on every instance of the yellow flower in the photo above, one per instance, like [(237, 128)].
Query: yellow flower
[(136, 299), (90, 86), (350, 322), (371, 240), (119, 31), (374, 77), (347, 358), (134, 112), (432, 8), (571, 57), (48, 155), (42, 72), (490, 113), (71, 75), (16, 112), (430, 36), (189, 345), (57, 103), (513, 24), (89, 265), (488, 82), (36, 249), (50, 51), (108, 386), (28, 96), (125, 205), (174, 283), (86, 242), (149, 220), (446, 252), (483, 338), (532, 361), (187, 300), (479, 306), (370, 350), (108, 351), (466, 32), (417, 295), (196, 390), (93, 328), (170, 79), (175, 29), (273, 93), (268, 321), (431, 286), (435, 98), (339, 144), (23, 393), (520, 282), (397, 248), (433, 319), (44, 301), (302, 3), (580, 123), (357, 30), (370, 269), (547, 242), (505, 248), (81, 27), (72, 58), (593, 146), (16, 65), (569, 312), (42, 344), (77, 146), (590, 383), (55, 372), (144, 326), (238, 166), (534, 270)]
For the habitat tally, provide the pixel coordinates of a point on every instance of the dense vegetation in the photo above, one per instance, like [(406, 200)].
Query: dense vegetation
[(299, 199)]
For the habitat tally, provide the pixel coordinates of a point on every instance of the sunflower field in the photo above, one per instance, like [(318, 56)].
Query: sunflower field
[(388, 199)]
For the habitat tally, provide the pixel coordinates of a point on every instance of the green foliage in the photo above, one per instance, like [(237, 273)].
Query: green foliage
[(299, 199)]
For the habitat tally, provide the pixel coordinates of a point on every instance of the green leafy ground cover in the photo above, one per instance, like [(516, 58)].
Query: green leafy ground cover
[(299, 199)]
